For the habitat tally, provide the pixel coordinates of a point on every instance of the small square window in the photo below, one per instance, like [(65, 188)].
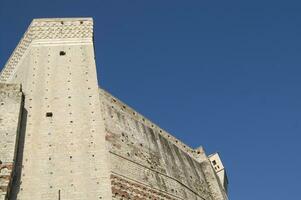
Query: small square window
[(214, 162), (62, 53)]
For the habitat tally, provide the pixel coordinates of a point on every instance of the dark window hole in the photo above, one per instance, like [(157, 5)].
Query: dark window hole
[(49, 114)]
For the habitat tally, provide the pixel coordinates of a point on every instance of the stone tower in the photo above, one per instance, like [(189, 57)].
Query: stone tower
[(64, 138)]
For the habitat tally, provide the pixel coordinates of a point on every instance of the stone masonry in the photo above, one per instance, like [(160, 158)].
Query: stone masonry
[(10, 115), (63, 137)]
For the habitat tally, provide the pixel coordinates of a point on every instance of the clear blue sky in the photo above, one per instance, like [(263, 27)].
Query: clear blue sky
[(222, 74)]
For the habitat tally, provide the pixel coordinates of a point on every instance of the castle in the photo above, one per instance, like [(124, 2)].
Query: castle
[(62, 137)]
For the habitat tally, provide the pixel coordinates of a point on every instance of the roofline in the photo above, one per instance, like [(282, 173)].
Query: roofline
[(62, 19)]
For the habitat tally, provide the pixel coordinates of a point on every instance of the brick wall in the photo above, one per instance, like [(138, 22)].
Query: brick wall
[(143, 152), (10, 112)]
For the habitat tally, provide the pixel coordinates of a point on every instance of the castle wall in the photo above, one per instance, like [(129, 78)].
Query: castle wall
[(10, 116), (78, 142), (145, 156)]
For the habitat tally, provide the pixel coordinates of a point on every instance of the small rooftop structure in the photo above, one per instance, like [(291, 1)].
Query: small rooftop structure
[(220, 170)]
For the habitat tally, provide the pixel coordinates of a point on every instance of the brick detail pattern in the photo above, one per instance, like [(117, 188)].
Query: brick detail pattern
[(41, 29), (6, 172), (125, 189)]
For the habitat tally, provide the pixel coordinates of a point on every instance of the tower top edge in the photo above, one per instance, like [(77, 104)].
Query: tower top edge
[(63, 19), (79, 29)]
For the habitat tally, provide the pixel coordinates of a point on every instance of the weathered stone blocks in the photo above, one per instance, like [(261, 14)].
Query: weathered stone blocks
[(10, 115)]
